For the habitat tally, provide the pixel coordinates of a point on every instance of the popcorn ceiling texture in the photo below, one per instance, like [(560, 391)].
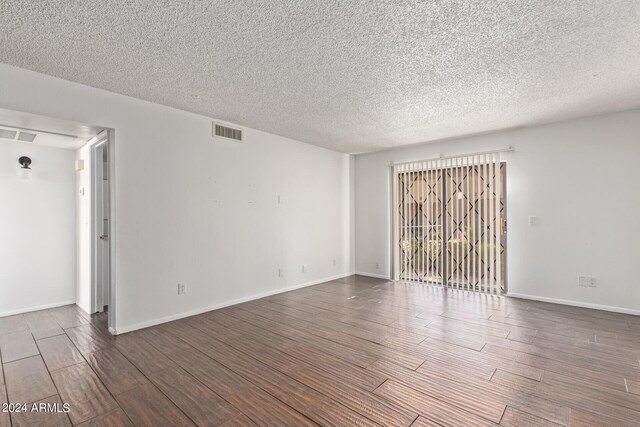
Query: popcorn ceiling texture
[(352, 76)]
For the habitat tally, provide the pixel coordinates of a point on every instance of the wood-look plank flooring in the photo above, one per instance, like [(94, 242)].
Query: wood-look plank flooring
[(355, 351)]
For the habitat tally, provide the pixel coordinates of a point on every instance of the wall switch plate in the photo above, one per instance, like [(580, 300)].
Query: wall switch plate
[(280, 273), (335, 262), (533, 220), (304, 268), (182, 289)]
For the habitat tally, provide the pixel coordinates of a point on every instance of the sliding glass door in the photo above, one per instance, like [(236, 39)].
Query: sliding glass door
[(449, 222)]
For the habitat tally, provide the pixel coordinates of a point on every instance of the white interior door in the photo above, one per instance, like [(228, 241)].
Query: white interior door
[(105, 232), (100, 187)]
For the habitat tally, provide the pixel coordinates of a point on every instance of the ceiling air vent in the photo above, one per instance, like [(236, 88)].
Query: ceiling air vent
[(226, 132), (8, 134), (26, 136)]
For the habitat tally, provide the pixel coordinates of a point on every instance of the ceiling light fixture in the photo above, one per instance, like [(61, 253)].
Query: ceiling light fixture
[(25, 162), (25, 167)]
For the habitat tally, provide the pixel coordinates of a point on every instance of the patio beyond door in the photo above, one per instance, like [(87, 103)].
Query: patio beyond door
[(450, 222)]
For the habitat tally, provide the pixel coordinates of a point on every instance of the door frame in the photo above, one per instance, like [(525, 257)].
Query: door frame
[(103, 139), (504, 222)]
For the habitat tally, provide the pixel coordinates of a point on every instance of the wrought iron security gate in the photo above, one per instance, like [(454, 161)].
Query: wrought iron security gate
[(449, 222)]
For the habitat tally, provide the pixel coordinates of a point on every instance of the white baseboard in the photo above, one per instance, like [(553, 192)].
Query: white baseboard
[(40, 307), (377, 276), (83, 308), (148, 323), (576, 303)]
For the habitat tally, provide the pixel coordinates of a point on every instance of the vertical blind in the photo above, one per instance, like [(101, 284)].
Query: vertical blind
[(448, 222)]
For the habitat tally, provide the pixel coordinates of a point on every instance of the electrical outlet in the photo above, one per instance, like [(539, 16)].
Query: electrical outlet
[(587, 282), (377, 266), (280, 273), (182, 289), (335, 262), (304, 268)]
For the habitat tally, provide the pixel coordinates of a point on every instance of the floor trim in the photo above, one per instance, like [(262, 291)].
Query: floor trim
[(148, 323), (40, 307), (377, 276), (575, 303)]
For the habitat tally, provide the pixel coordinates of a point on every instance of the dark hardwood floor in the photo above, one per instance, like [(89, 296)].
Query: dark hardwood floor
[(355, 351)]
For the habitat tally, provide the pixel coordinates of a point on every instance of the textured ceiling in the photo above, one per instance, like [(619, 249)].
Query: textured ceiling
[(353, 76)]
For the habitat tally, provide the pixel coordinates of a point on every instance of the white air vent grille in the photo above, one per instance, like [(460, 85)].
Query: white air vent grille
[(226, 132), (26, 136), (9, 134)]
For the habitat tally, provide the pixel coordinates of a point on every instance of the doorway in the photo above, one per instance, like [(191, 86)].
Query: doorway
[(449, 222), (46, 175), (95, 166)]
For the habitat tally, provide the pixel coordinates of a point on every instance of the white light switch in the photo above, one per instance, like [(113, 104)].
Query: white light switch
[(533, 220)]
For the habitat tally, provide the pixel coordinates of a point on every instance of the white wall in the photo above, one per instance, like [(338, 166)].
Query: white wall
[(37, 229), (580, 178), (200, 211)]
